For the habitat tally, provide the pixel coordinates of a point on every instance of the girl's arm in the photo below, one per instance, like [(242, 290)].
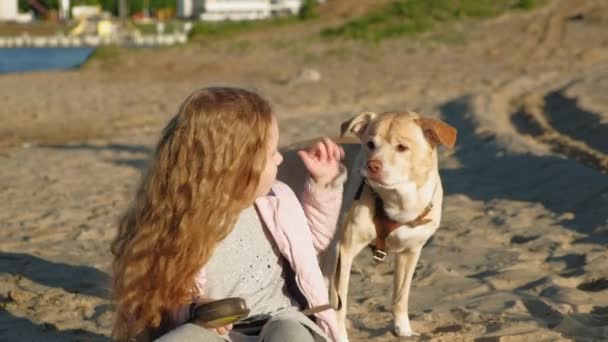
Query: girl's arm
[(321, 204), (322, 196)]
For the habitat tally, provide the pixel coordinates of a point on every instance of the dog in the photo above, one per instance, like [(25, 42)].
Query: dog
[(392, 199), (398, 201)]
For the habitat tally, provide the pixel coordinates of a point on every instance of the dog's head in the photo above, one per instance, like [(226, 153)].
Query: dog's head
[(398, 147)]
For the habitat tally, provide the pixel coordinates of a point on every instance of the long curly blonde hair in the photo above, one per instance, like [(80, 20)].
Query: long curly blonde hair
[(204, 172)]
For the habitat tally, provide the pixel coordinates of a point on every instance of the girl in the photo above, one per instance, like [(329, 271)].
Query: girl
[(210, 221)]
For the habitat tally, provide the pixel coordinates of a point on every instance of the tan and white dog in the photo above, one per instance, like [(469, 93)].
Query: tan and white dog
[(398, 202), (393, 197)]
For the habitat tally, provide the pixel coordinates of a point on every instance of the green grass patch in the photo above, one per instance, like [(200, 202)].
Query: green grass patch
[(416, 16), (106, 53), (104, 56)]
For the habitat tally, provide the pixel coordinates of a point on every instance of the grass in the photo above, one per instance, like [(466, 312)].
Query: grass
[(104, 56), (35, 28), (108, 55), (405, 17)]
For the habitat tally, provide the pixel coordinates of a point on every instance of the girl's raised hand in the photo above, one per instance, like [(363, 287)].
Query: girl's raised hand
[(322, 160)]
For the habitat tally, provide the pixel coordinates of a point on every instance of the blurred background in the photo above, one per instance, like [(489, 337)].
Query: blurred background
[(87, 85)]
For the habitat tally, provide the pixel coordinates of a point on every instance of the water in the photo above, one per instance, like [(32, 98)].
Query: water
[(39, 59)]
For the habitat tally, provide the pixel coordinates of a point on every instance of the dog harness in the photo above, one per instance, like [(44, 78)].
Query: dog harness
[(385, 225)]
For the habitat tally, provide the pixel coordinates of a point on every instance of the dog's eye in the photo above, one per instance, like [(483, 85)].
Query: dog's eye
[(402, 148), (371, 145)]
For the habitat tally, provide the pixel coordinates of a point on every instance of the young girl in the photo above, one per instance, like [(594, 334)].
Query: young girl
[(210, 221)]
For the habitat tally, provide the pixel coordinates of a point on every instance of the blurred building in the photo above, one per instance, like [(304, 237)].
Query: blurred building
[(64, 9), (218, 10), (9, 10)]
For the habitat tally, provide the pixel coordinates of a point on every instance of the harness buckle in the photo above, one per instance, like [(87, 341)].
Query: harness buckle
[(379, 255)]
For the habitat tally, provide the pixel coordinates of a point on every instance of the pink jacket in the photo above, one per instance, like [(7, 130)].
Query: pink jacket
[(300, 231)]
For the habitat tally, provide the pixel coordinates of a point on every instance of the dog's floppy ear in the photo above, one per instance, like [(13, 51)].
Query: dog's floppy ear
[(357, 125), (438, 132)]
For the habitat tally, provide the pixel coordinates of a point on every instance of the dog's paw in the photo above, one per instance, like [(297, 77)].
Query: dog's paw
[(404, 331), (343, 338), (343, 334)]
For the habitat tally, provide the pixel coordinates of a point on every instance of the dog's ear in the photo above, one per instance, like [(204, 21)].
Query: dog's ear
[(357, 124), (438, 132)]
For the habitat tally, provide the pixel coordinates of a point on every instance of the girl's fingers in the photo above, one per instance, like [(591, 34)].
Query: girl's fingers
[(306, 158), (329, 147), (224, 330), (322, 152), (336, 150), (325, 151)]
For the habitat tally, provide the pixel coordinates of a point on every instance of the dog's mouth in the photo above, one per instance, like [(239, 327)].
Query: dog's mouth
[(380, 184), (377, 182), (384, 179)]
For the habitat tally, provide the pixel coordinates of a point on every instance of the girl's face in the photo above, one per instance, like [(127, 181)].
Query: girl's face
[(273, 160)]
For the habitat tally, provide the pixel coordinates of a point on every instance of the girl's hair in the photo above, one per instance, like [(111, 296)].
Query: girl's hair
[(204, 172)]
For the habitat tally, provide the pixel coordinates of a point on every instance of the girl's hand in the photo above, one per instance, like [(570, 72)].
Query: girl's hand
[(323, 161), (224, 330)]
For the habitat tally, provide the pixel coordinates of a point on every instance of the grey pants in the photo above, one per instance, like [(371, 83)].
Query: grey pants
[(276, 330)]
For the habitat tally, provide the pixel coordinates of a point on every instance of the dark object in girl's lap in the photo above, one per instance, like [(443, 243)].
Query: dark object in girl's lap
[(219, 313)]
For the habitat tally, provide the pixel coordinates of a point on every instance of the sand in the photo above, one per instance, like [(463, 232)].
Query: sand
[(520, 255)]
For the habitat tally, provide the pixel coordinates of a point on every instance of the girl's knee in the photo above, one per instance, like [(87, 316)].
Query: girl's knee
[(190, 333), (287, 330)]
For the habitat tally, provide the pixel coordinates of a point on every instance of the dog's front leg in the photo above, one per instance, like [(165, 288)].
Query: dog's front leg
[(348, 252), (357, 232), (405, 265)]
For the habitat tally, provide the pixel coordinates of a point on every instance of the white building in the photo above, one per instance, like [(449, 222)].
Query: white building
[(218, 10), (64, 9), (9, 11), (189, 8)]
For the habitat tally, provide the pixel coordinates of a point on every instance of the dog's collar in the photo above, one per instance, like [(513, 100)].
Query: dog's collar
[(385, 225)]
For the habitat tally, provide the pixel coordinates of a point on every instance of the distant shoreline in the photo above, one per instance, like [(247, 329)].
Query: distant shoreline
[(25, 59)]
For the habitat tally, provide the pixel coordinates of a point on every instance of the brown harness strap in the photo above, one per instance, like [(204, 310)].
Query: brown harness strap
[(385, 225), (320, 308)]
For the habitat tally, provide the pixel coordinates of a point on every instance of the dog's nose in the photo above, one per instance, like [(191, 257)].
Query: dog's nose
[(374, 166)]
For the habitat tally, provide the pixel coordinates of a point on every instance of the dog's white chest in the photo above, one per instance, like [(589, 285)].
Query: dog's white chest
[(406, 238)]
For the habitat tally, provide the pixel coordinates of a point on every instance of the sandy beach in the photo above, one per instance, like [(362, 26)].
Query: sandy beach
[(521, 254)]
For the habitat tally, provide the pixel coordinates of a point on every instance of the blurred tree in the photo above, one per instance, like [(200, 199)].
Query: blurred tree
[(86, 2), (23, 6), (108, 5), (138, 5), (112, 6), (308, 9), (122, 8), (38, 6)]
